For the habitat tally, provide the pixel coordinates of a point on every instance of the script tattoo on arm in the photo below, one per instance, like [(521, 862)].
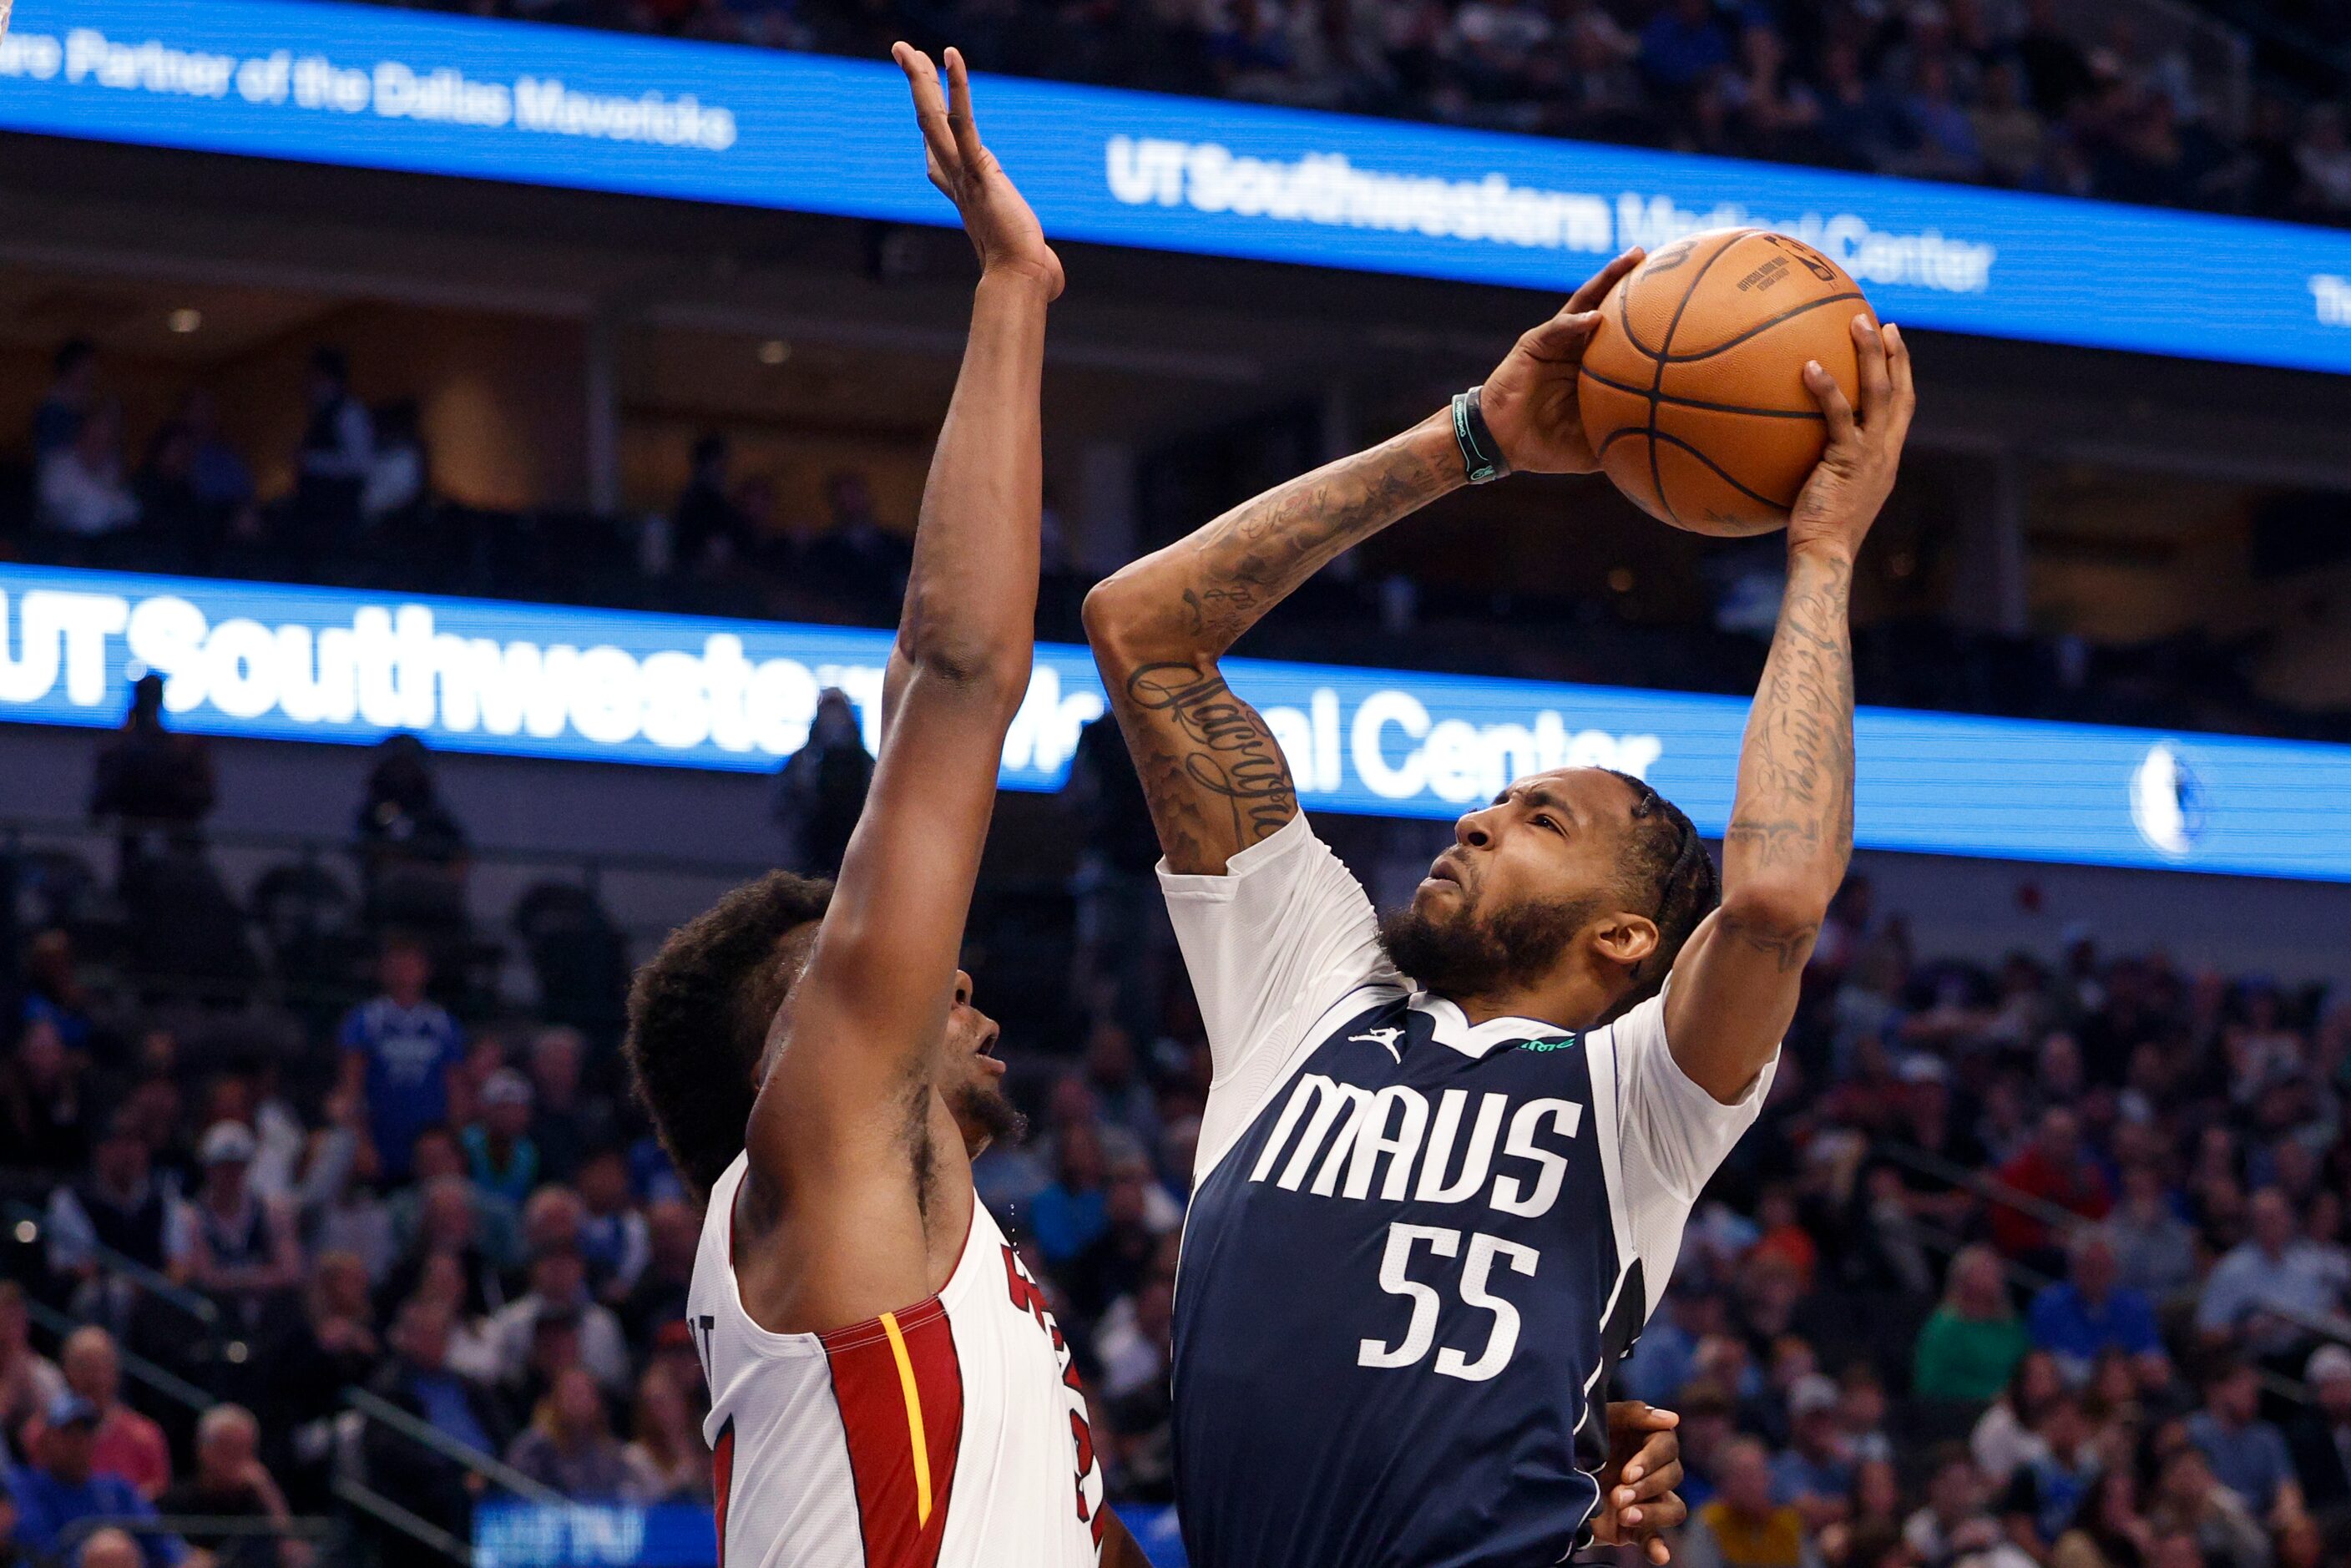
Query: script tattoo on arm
[(1794, 806), (1214, 774)]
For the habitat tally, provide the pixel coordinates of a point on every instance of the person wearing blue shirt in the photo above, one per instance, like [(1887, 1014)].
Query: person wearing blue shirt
[(399, 1051), (2080, 1317), (61, 1489), (1069, 1215), (2248, 1455)]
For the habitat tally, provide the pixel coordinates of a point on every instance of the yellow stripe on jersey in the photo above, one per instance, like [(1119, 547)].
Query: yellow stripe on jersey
[(913, 1420)]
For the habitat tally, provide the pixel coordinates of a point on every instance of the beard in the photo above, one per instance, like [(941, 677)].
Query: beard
[(1464, 955), (987, 1115)]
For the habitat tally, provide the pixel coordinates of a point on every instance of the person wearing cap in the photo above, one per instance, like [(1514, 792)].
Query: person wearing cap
[(228, 1241), (500, 1153), (1814, 1473), (2320, 1439), (60, 1487)]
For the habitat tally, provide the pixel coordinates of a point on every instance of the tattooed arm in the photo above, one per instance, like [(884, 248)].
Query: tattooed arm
[(1790, 831), (1216, 780)]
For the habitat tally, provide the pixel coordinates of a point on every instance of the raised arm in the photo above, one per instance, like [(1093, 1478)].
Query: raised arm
[(843, 1113), (1791, 833), (1216, 782)]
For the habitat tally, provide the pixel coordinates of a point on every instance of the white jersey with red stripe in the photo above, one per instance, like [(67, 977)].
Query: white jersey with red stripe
[(951, 1434)]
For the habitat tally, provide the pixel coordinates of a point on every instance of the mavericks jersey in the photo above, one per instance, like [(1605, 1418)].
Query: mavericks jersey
[(1416, 1247), (951, 1434)]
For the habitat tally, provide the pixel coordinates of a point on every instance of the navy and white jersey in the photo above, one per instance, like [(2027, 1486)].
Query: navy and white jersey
[(1415, 1246)]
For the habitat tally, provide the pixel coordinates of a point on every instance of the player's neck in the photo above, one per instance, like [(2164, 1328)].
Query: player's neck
[(1571, 1002)]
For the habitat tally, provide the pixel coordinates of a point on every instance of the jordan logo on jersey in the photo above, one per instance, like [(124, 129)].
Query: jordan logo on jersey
[(1385, 1038)]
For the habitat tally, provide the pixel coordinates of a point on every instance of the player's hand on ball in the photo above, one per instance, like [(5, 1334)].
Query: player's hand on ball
[(1856, 472), (1530, 401), (995, 214), (1637, 1501)]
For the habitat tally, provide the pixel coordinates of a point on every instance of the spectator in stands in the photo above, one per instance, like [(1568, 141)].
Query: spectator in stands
[(411, 846), (1967, 1348), (567, 1123), (30, 1381), (1742, 1527), (44, 1106), (73, 390), (2258, 1292), (706, 532), (1815, 1471), (2320, 1438), (82, 493), (2248, 1455), (332, 462), (400, 1051), (860, 560), (2007, 1436), (2155, 1249), (125, 1445), (500, 1157), (398, 470), (64, 1485), (116, 1204), (2108, 1531), (570, 1445), (219, 474), (672, 1234), (2048, 1489), (820, 789), (449, 1228), (157, 784), (1683, 45), (109, 1548), (419, 1380), (1953, 1527), (559, 1292), (335, 1347), (613, 1237), (2088, 1311), (667, 1460), (2188, 1502), (230, 1482), (1072, 1213), (2055, 1170), (237, 1246)]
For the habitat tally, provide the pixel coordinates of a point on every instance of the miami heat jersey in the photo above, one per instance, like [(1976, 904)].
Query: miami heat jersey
[(951, 1434), (1415, 1248)]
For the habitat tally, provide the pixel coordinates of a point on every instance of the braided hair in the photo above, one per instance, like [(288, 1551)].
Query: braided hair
[(1668, 873)]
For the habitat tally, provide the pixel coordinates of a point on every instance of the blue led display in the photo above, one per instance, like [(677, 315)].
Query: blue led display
[(524, 680), (390, 88)]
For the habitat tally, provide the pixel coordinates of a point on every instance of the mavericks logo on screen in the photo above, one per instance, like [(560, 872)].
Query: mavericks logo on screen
[(2167, 801)]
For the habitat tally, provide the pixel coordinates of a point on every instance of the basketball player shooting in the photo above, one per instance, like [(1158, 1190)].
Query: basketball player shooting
[(888, 1389), (1450, 1152)]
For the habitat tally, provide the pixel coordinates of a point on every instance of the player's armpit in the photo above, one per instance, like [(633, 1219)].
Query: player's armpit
[(1118, 1548)]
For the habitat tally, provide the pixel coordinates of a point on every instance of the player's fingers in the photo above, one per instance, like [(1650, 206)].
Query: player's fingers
[(1561, 338), (959, 120), (1642, 1417), (1876, 384), (930, 107), (1657, 1484), (1596, 287), (1835, 409), (1659, 1553), (1906, 391)]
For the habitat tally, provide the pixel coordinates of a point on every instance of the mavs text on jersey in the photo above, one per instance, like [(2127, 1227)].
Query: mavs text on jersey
[(1416, 1246)]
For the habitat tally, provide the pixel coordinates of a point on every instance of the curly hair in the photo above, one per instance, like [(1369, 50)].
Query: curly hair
[(699, 1013), (1668, 871)]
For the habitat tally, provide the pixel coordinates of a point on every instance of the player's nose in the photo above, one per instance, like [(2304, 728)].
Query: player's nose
[(1474, 830), (963, 988)]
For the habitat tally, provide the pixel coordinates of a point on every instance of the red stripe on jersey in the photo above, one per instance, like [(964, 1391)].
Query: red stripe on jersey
[(722, 1473), (872, 1387)]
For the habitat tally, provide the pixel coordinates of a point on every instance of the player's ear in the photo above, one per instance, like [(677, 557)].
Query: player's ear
[(1624, 938)]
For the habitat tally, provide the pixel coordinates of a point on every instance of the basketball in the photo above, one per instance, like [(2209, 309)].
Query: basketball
[(1692, 387)]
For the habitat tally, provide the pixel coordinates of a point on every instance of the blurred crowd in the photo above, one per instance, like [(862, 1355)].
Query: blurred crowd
[(2008, 92), (2039, 1263)]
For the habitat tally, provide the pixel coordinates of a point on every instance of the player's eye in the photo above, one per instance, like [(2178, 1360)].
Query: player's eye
[(1544, 820)]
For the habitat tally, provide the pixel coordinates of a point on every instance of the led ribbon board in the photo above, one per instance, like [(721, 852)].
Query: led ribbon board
[(275, 661), (391, 88)]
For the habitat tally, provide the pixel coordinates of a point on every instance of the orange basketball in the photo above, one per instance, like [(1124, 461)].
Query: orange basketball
[(1693, 388)]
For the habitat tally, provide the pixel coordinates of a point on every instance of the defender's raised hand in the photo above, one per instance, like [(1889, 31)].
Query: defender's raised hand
[(995, 214), (1530, 401), (1855, 474)]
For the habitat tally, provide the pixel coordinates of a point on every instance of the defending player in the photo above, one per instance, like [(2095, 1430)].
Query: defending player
[(1429, 1222), (888, 1388)]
